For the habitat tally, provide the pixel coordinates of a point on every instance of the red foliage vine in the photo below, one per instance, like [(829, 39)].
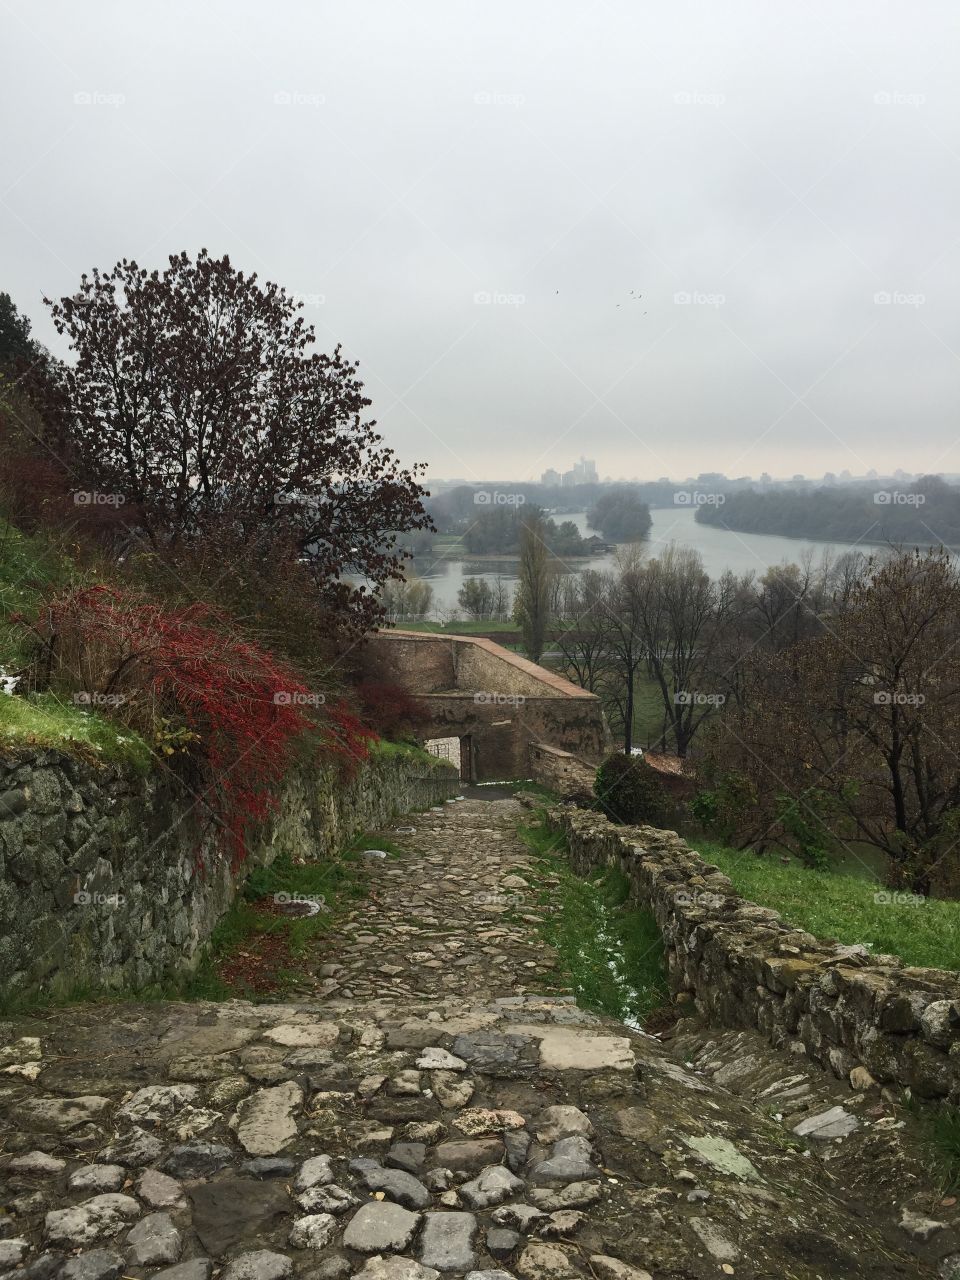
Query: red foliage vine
[(196, 689)]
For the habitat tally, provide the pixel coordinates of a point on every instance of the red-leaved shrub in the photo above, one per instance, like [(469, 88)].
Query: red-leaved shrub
[(198, 692)]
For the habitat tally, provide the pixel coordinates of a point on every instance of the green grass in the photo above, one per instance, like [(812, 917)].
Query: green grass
[(536, 789), (408, 751), (647, 712), (849, 908), (611, 950), (30, 566), (43, 720), (939, 1124), (340, 881)]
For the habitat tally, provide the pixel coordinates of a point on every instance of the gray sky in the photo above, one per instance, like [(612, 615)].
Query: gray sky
[(399, 163)]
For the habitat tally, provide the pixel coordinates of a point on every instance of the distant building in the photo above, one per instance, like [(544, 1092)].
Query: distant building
[(582, 472), (586, 471)]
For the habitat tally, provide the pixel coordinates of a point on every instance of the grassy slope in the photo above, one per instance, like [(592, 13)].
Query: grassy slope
[(29, 566), (849, 908)]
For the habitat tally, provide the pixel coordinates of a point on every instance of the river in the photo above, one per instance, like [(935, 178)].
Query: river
[(721, 549)]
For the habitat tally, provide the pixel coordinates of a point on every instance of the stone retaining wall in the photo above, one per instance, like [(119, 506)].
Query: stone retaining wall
[(744, 966), (107, 879), (561, 771)]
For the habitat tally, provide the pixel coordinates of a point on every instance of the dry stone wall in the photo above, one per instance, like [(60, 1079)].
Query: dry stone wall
[(108, 881), (744, 966)]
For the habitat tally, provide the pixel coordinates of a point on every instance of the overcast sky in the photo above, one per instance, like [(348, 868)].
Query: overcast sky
[(470, 195)]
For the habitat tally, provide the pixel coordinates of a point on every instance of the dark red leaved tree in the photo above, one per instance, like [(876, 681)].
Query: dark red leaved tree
[(198, 397)]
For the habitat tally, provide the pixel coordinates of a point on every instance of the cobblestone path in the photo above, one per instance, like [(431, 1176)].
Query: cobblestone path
[(443, 1108)]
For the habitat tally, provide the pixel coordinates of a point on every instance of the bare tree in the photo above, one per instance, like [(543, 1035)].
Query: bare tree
[(532, 597)]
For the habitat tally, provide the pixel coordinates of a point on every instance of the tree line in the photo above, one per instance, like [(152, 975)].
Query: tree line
[(820, 702), (926, 513)]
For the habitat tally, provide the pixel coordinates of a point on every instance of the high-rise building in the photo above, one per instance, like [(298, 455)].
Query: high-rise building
[(551, 478), (582, 472)]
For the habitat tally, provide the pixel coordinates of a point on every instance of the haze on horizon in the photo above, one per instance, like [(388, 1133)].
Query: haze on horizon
[(471, 197)]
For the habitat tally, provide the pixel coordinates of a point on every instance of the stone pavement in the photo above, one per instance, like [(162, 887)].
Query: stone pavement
[(437, 1110)]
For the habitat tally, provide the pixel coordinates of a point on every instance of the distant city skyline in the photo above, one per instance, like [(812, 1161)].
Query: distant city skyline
[(553, 478)]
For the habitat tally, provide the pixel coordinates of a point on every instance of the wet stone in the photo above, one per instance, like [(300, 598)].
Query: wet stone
[(381, 1227), (488, 1051), (159, 1191), (402, 1187), (336, 1267), (446, 1242), (563, 1122), (315, 1231), (436, 1059), (269, 1167), (408, 1156), (230, 1210), (158, 1102), (396, 1269), (327, 1199), (607, 1268), (523, 1217), (835, 1123), (95, 1264), (264, 1122), (37, 1162), (12, 1253), (261, 1264), (134, 1150), (315, 1172), (153, 1241), (492, 1187), (94, 1219), (502, 1242), (471, 1156), (546, 1262), (95, 1178), (197, 1159), (195, 1269), (569, 1161)]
